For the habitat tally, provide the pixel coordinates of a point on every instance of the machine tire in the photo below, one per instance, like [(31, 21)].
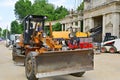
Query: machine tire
[(103, 49), (112, 49), (79, 74), (30, 67)]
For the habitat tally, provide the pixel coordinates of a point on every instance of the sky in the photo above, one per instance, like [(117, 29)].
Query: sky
[(7, 9)]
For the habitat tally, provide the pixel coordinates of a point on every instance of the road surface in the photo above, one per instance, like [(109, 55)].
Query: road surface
[(107, 67)]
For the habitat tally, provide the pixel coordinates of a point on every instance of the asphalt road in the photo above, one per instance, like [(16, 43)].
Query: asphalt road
[(107, 67)]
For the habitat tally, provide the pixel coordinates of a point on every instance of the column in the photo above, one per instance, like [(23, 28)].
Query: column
[(74, 25), (91, 23), (84, 24), (65, 26), (116, 20), (103, 27), (79, 24)]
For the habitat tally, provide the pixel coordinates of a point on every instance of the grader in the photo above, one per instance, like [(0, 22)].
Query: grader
[(46, 56)]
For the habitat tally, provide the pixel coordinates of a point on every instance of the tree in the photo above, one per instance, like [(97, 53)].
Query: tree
[(0, 31), (60, 12), (39, 7), (81, 7), (4, 33), (23, 8), (16, 28), (57, 27), (42, 7)]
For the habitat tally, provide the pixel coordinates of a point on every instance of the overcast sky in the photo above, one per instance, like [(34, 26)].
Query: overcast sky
[(7, 9)]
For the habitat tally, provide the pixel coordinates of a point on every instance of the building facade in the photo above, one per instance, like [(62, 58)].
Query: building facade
[(74, 20), (105, 13)]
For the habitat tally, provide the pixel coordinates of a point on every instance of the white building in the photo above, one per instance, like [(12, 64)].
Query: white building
[(105, 13)]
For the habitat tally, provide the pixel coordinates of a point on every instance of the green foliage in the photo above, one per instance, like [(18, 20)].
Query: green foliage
[(81, 7), (47, 30), (4, 33), (39, 7), (57, 27), (16, 28), (23, 8), (60, 12), (0, 31)]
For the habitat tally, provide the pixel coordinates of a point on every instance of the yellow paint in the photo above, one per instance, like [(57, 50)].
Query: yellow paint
[(61, 34)]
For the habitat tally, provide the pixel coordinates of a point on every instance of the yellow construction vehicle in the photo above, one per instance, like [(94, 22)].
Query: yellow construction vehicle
[(46, 56)]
